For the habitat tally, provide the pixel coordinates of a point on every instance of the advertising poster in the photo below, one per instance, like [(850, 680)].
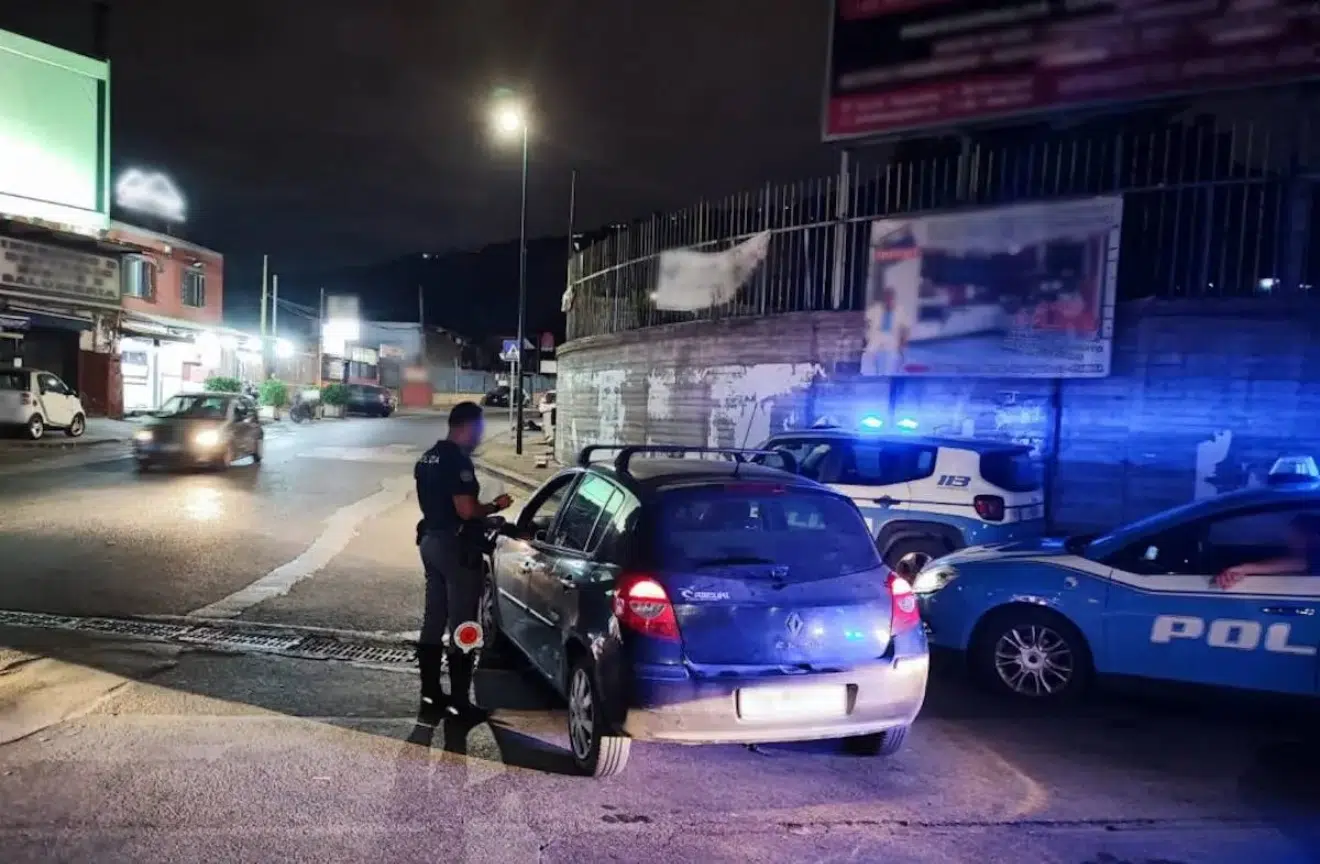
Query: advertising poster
[(1024, 291), (898, 65)]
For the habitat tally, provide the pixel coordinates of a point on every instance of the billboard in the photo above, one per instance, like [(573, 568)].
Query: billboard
[(896, 65), (54, 135), (1011, 292)]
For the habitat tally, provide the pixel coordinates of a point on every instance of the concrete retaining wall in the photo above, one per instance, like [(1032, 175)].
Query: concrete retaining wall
[(1203, 397)]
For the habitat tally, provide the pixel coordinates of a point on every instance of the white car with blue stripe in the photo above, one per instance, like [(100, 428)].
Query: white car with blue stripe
[(1149, 600), (924, 497)]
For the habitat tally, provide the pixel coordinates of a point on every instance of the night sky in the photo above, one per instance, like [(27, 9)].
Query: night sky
[(340, 132)]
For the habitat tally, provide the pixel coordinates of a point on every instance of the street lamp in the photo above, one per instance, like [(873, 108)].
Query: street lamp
[(509, 119)]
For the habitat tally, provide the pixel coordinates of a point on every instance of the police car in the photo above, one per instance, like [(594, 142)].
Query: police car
[(924, 497), (1040, 618)]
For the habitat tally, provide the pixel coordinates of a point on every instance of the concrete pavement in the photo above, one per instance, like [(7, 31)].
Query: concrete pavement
[(128, 749), (134, 751)]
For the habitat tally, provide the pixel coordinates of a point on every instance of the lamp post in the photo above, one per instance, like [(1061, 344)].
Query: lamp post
[(510, 120)]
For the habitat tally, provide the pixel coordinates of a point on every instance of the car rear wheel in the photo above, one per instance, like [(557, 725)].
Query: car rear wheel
[(1032, 654), (76, 427), (36, 427), (885, 743), (595, 753), (907, 557)]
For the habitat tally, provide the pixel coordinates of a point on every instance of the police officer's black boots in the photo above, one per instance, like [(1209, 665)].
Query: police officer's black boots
[(461, 664), (434, 707)]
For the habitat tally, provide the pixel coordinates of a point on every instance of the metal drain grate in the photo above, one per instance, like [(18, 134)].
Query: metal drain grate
[(37, 619), (149, 629), (324, 648), (239, 639)]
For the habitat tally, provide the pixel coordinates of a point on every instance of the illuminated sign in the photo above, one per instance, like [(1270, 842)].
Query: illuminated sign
[(153, 194)]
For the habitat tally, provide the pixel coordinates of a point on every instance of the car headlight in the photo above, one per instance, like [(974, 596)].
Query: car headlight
[(142, 435), (208, 438), (932, 579)]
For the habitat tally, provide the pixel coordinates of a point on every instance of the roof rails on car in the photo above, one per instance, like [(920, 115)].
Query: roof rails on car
[(628, 451)]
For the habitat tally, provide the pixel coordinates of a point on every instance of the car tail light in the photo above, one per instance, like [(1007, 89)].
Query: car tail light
[(641, 605), (989, 507), (904, 614)]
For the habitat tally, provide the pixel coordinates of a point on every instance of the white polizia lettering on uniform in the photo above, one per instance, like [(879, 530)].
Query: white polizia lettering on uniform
[(1235, 633)]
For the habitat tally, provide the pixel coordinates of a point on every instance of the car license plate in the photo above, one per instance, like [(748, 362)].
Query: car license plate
[(1036, 511), (170, 448), (820, 702)]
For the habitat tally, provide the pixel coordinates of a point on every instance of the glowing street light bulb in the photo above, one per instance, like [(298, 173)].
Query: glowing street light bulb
[(509, 119)]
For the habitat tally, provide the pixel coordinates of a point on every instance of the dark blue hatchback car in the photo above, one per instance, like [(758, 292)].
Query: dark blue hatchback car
[(686, 595)]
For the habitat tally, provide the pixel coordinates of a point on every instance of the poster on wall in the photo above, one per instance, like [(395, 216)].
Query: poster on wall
[(1010, 292)]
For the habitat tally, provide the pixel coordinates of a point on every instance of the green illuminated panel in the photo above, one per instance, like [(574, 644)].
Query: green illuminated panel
[(54, 134)]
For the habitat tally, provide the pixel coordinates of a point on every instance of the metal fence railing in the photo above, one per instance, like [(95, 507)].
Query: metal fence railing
[(1216, 202)]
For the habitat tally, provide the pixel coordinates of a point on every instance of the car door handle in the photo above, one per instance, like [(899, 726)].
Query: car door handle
[(885, 501), (527, 565), (1292, 611)]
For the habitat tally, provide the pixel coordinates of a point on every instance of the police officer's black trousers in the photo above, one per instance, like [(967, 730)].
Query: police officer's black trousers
[(453, 593)]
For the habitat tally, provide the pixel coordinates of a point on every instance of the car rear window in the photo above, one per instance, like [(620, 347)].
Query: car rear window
[(13, 381), (814, 534), (1012, 470)]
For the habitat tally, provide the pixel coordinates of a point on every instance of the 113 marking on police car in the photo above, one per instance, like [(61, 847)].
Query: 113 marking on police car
[(1237, 633)]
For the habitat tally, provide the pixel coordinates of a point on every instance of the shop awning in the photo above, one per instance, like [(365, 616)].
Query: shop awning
[(165, 327)]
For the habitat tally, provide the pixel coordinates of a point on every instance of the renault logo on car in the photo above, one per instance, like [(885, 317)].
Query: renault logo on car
[(794, 624)]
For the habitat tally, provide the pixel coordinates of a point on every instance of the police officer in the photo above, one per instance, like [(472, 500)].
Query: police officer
[(450, 537)]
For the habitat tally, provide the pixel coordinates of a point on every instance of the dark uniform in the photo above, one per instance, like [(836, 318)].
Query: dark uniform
[(451, 556)]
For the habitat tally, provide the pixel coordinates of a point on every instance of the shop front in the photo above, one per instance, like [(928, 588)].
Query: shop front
[(160, 358)]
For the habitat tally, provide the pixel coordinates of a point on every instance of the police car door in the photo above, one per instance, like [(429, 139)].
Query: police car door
[(1167, 620)]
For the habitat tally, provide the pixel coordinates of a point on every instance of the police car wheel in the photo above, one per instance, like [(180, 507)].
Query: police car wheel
[(594, 753), (907, 557), (1031, 653)]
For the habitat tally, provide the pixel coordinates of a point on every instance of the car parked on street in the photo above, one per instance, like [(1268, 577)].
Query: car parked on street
[(34, 401), (1039, 619), (924, 497), (369, 399), (501, 397), (200, 430), (702, 601)]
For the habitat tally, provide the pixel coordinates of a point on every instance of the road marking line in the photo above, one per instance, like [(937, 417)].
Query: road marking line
[(340, 529)]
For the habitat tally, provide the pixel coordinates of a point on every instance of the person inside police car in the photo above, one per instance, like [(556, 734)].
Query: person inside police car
[(1303, 558), (450, 537)]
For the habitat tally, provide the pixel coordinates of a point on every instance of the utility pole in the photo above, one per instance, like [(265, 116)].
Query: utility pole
[(265, 265), (275, 307), (522, 299), (421, 308)]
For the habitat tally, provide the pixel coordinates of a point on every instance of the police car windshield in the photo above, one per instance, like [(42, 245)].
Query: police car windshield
[(804, 533)]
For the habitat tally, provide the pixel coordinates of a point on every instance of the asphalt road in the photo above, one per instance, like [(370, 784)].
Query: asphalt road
[(128, 750)]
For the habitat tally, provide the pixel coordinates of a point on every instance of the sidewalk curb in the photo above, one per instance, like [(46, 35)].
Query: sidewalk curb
[(63, 445), (506, 475)]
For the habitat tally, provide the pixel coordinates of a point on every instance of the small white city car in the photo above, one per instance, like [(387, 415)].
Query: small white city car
[(36, 401)]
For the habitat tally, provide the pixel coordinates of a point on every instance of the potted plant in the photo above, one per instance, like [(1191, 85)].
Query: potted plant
[(223, 384), (333, 399), (274, 395)]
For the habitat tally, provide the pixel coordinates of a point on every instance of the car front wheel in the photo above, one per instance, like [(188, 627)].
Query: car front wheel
[(1031, 653), (595, 753)]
